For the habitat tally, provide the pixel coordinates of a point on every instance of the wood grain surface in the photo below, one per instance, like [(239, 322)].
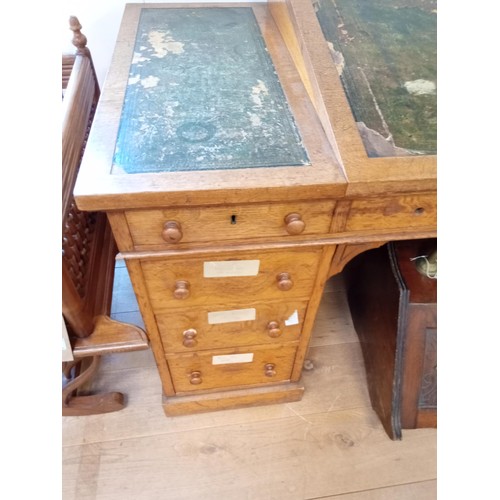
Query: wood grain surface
[(328, 445)]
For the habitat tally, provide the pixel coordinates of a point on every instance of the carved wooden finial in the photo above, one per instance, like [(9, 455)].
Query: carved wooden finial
[(79, 39)]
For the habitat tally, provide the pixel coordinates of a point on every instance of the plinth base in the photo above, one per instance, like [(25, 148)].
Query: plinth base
[(226, 400)]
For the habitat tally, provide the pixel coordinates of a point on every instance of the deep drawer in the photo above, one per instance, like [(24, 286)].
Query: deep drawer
[(242, 279), (231, 367), (222, 326)]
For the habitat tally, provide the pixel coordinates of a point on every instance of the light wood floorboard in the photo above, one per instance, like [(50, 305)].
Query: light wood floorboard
[(328, 445)]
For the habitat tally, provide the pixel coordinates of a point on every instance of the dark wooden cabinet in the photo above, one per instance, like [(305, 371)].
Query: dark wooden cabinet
[(393, 306)]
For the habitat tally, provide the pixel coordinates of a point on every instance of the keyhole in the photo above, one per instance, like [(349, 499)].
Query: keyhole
[(233, 219)]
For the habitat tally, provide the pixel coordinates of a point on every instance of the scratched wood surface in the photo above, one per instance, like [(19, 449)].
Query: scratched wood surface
[(328, 445), (203, 94), (385, 53)]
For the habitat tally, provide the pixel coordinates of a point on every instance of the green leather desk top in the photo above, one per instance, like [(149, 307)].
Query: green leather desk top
[(203, 94), (386, 54)]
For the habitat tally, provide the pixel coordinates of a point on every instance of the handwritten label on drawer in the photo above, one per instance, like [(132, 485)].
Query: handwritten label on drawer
[(230, 268), (226, 359), (233, 316)]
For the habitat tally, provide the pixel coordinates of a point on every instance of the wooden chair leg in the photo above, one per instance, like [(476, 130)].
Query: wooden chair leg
[(92, 404)]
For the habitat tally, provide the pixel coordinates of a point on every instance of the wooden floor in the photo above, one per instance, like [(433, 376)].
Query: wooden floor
[(329, 445)]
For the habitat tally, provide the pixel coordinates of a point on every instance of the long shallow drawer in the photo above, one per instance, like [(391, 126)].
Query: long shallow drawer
[(231, 367), (199, 328), (171, 226), (393, 212), (243, 279)]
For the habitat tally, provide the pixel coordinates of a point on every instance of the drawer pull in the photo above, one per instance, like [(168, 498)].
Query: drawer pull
[(273, 329), (284, 281), (189, 337), (270, 370), (195, 378), (181, 289), (294, 223), (172, 232)]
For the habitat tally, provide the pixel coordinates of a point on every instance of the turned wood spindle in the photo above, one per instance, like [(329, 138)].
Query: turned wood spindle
[(294, 223), (270, 369), (172, 232), (181, 290), (189, 337), (273, 329), (79, 39), (284, 281)]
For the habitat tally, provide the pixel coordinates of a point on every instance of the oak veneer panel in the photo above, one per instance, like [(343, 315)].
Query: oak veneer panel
[(293, 458)]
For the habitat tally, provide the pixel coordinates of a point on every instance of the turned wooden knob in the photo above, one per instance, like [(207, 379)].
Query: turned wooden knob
[(269, 370), (189, 337), (294, 223), (181, 289), (172, 232), (284, 281), (195, 378), (273, 329)]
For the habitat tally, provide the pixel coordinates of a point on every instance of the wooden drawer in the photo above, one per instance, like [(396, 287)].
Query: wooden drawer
[(283, 275), (209, 224), (231, 367), (393, 213), (192, 329)]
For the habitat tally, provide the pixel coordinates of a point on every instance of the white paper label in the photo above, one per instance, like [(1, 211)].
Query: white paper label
[(67, 353), (230, 268), (227, 359), (233, 316), (293, 319)]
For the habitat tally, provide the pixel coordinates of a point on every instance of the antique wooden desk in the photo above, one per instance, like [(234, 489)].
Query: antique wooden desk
[(236, 182)]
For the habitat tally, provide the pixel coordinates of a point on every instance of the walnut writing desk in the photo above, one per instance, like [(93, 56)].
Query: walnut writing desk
[(236, 182)]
